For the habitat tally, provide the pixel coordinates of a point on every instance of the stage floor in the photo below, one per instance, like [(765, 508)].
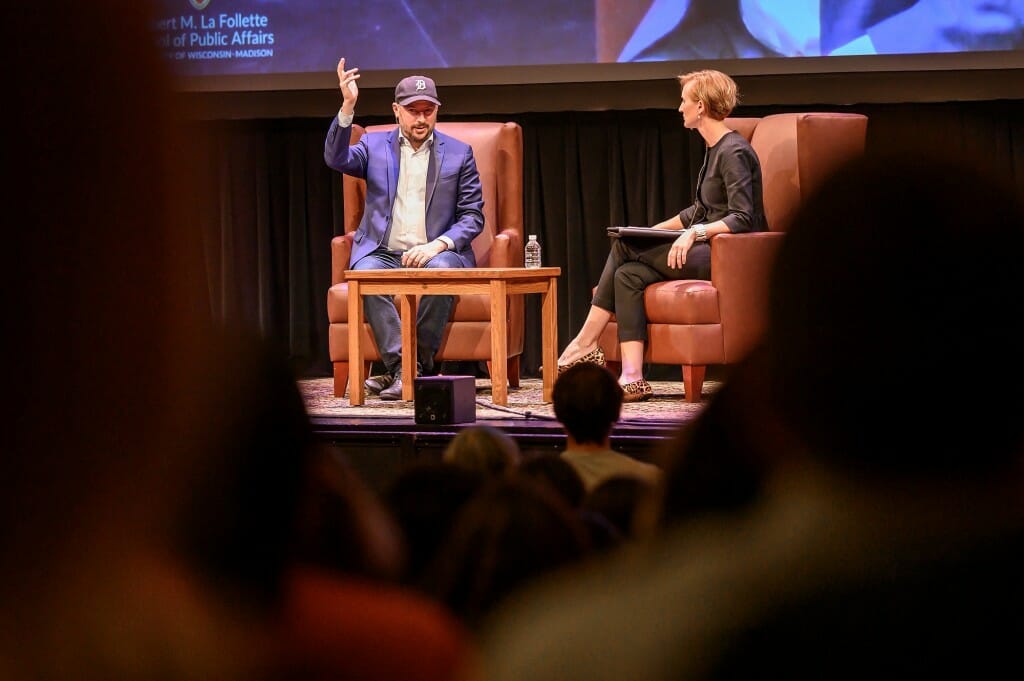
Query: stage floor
[(378, 436), (524, 403)]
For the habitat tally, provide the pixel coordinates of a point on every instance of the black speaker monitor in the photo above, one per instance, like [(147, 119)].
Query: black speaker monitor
[(443, 400)]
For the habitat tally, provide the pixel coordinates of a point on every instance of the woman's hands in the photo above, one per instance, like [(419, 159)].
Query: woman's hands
[(680, 247)]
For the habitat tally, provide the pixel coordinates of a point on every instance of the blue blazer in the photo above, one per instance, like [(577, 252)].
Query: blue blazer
[(454, 196)]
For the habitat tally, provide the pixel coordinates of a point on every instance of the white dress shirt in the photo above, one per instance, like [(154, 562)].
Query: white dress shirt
[(409, 214)]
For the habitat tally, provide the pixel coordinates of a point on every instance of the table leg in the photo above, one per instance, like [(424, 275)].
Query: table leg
[(355, 350), (409, 311), (499, 342), (549, 336)]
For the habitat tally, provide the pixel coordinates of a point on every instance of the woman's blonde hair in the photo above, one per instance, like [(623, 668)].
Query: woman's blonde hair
[(717, 90)]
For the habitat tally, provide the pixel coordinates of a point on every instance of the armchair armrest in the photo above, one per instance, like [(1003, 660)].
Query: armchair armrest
[(341, 255), (506, 249), (740, 269)]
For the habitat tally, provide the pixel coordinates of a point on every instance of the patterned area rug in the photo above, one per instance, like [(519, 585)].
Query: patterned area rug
[(668, 403)]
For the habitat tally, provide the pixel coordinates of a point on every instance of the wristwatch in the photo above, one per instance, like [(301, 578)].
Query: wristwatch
[(702, 232)]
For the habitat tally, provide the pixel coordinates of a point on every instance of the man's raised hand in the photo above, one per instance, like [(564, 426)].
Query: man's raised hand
[(347, 82)]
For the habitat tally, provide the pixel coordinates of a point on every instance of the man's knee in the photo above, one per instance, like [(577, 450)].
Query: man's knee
[(378, 259), (368, 263), (445, 259)]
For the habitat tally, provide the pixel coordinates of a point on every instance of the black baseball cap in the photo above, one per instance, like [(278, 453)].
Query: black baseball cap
[(415, 88)]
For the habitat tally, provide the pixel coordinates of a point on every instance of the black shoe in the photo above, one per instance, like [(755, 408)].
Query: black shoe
[(426, 367), (394, 391), (374, 384)]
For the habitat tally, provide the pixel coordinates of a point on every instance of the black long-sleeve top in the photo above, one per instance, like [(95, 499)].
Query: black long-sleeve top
[(729, 187)]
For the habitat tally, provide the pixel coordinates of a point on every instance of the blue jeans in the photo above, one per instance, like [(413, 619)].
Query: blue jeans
[(382, 315)]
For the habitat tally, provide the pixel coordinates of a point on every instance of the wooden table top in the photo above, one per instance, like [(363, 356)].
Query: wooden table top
[(465, 273)]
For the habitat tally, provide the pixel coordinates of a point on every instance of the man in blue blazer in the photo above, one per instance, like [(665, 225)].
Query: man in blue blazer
[(424, 207)]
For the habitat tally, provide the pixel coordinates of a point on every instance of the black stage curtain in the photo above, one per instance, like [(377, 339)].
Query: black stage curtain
[(278, 205)]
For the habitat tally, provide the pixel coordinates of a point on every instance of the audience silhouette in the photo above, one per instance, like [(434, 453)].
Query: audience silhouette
[(719, 461), (155, 465), (587, 401), (620, 499), (484, 448), (552, 470), (424, 498), (344, 526), (884, 532), (849, 501), (109, 429), (512, 532)]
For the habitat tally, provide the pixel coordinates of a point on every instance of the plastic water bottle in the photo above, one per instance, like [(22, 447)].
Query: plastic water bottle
[(533, 252)]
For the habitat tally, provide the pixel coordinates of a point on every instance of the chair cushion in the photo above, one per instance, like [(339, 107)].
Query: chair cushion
[(682, 301)]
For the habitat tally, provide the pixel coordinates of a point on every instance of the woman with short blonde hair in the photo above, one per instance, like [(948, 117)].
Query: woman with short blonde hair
[(727, 199)]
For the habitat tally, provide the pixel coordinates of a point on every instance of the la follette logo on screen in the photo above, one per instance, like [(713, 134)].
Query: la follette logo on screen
[(199, 4)]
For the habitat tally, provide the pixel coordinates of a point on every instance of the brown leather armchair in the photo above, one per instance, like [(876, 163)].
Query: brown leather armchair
[(696, 323), (498, 150)]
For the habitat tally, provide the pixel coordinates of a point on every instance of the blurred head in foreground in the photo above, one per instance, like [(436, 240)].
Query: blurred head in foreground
[(894, 300)]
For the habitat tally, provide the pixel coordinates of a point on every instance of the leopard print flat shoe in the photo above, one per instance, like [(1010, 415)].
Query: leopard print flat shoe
[(637, 391), (595, 356)]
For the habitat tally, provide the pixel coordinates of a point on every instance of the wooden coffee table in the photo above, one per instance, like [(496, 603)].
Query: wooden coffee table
[(499, 282)]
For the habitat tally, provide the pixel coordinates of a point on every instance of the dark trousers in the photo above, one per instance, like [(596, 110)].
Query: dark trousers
[(634, 264)]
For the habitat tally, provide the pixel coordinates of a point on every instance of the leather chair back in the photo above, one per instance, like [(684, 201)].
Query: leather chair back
[(695, 323), (798, 151)]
